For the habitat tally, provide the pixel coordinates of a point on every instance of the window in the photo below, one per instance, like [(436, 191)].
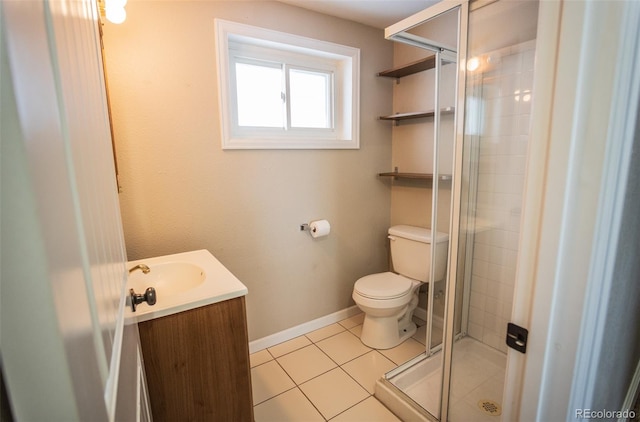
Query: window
[(284, 91), (263, 98)]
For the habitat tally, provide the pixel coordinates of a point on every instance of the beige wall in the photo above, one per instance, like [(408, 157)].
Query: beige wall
[(182, 192)]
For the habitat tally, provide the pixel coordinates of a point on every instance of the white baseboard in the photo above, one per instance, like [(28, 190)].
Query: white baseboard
[(302, 329)]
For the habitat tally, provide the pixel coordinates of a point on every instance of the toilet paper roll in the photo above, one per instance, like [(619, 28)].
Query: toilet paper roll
[(319, 228)]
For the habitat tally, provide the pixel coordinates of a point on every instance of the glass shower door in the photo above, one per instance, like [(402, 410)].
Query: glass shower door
[(499, 93), (434, 34)]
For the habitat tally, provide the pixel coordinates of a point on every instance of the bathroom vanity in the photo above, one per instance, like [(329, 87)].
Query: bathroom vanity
[(194, 340), (197, 364)]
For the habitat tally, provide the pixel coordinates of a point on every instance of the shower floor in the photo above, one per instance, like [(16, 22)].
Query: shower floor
[(478, 376)]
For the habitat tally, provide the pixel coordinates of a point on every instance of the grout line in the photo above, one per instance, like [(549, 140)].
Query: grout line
[(461, 399), (357, 382), (312, 403), (273, 397), (338, 366), (351, 407)]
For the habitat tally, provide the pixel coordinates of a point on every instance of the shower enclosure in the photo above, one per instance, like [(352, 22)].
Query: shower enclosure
[(480, 88)]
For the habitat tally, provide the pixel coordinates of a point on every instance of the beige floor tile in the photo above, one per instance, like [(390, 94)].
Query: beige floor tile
[(368, 368), (258, 358), (357, 330), (306, 363), (353, 321), (322, 333), (269, 380), (289, 346), (408, 349), (343, 347), (289, 406), (333, 392), (369, 410)]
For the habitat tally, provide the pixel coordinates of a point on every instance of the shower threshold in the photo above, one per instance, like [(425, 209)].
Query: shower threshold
[(412, 390)]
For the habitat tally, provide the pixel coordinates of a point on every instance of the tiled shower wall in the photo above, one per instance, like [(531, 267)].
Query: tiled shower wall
[(505, 95)]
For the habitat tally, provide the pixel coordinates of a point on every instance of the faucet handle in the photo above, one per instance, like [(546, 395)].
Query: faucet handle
[(149, 296)]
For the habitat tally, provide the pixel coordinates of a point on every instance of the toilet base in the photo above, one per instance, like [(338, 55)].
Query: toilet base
[(385, 333)]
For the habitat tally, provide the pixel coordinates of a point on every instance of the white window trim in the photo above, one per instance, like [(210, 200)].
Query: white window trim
[(345, 69)]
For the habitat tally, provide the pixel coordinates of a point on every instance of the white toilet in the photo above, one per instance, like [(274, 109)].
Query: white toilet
[(389, 299)]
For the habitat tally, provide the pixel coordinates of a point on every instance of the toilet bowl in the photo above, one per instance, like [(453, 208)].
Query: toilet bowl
[(387, 310), (388, 299)]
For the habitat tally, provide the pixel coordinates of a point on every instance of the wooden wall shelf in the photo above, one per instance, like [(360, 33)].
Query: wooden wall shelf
[(411, 68), (416, 115), (419, 176), (397, 73)]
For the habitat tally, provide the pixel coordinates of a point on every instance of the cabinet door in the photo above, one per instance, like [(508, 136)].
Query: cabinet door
[(197, 364)]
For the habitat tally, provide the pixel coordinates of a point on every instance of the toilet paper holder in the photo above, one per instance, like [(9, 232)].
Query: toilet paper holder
[(318, 228)]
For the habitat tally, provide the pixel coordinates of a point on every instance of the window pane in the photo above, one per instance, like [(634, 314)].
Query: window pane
[(259, 90), (310, 99)]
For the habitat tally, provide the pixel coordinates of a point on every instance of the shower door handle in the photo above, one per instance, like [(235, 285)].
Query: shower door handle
[(517, 337)]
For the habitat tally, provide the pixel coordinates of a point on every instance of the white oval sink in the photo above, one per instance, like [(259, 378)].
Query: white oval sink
[(183, 281), (168, 278)]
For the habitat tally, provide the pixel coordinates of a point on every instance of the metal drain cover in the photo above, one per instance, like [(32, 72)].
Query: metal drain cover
[(490, 407)]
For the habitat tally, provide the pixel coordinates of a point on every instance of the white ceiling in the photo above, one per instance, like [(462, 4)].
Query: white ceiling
[(376, 13)]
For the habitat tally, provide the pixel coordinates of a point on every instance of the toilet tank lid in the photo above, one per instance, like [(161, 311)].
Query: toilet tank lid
[(419, 234)]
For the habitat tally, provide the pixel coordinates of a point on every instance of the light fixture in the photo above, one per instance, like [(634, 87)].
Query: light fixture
[(114, 11), (473, 64)]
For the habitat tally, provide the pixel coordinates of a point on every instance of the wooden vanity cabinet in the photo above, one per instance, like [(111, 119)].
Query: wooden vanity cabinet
[(197, 364)]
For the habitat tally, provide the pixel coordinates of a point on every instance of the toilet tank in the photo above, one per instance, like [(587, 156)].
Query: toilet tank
[(411, 252)]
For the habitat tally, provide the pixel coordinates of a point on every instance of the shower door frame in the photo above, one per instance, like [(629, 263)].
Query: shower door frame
[(397, 32)]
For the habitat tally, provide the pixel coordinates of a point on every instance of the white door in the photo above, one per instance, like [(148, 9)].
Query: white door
[(577, 288), (63, 255)]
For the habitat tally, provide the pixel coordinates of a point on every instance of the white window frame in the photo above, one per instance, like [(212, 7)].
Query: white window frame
[(240, 43)]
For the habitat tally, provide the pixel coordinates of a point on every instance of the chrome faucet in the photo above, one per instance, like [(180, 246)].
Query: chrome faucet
[(141, 267)]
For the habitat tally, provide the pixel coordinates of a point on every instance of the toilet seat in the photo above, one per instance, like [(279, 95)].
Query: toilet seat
[(383, 286)]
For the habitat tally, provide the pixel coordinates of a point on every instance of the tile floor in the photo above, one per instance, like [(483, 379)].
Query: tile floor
[(329, 375), (325, 375)]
